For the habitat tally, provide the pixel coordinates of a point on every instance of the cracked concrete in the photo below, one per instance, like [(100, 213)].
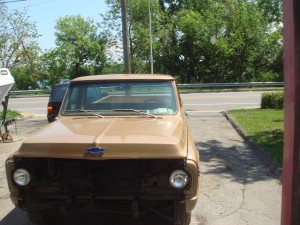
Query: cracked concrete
[(236, 187), (22, 130)]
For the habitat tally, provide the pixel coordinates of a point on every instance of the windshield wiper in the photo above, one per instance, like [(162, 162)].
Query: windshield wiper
[(85, 111), (139, 112)]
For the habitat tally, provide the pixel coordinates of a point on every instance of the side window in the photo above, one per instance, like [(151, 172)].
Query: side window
[(73, 100)]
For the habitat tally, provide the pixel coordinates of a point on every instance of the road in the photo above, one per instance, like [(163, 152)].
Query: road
[(216, 102), (194, 103), (34, 105), (236, 188)]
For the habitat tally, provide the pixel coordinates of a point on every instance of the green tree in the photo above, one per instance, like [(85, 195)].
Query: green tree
[(137, 32), (25, 78), (54, 66), (205, 40), (164, 35), (18, 45), (272, 10), (19, 50), (243, 43), (80, 45)]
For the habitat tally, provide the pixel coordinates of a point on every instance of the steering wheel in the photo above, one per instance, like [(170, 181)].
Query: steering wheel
[(152, 104)]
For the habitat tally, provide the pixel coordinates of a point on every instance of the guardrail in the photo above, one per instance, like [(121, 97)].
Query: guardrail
[(218, 85), (26, 92), (182, 86)]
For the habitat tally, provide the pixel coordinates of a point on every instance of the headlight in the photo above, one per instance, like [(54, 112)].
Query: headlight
[(179, 179), (21, 177)]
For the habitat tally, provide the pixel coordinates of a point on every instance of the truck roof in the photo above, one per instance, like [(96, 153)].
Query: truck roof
[(120, 77)]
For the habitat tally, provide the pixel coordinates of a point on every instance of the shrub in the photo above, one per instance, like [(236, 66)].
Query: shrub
[(11, 114), (268, 77), (272, 100)]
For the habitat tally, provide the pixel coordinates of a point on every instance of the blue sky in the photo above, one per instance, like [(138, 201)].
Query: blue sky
[(46, 12)]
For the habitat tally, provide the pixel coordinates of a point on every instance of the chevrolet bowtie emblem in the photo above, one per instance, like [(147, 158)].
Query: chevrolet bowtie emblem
[(95, 150)]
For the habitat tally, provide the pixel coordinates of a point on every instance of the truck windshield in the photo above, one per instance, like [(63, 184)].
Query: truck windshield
[(116, 98)]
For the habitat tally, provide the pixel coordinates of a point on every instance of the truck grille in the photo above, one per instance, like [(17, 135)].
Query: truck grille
[(106, 178)]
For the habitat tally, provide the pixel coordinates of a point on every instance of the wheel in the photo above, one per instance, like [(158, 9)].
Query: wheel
[(181, 216), (47, 215), (187, 218), (50, 120)]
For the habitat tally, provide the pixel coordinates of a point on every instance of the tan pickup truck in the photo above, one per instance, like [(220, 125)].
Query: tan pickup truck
[(120, 144)]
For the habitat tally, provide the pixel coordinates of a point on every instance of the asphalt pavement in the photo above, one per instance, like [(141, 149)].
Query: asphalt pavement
[(236, 188)]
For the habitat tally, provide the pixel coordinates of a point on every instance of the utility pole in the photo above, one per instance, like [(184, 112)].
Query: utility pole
[(290, 211), (150, 31), (125, 37)]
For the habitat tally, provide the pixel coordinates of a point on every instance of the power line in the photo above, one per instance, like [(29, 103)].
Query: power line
[(32, 5), (13, 1)]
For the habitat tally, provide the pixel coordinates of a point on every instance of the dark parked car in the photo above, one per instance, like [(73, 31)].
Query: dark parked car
[(56, 97)]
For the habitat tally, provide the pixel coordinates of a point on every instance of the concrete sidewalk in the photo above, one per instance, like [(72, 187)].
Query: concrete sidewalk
[(236, 186)]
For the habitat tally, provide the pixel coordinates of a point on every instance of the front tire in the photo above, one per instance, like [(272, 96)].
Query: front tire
[(181, 216), (41, 216)]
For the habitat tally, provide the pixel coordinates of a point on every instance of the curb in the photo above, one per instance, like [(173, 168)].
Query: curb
[(262, 154)]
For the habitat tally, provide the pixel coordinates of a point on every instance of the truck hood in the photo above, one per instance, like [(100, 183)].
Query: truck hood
[(120, 138)]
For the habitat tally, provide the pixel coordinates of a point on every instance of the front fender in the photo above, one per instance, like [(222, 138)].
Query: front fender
[(14, 191)]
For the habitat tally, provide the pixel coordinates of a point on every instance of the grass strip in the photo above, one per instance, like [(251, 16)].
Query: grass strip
[(11, 114), (265, 126)]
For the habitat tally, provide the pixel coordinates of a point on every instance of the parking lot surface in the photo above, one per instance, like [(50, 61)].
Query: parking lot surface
[(236, 187)]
